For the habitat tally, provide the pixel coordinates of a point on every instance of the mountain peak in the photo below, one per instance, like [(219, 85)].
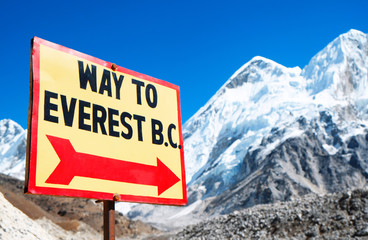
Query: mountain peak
[(353, 33), (340, 68), (352, 42), (255, 70), (9, 129), (255, 61)]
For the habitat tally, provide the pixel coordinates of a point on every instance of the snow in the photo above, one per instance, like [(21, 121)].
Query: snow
[(330, 149), (124, 207), (186, 210)]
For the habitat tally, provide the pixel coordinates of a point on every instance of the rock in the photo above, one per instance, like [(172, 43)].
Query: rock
[(332, 216)]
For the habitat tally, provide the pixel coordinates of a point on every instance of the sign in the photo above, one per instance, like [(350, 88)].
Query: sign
[(97, 130)]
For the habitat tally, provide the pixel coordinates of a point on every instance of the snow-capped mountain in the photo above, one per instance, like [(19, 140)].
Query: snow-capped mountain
[(270, 133), (264, 100), (13, 142)]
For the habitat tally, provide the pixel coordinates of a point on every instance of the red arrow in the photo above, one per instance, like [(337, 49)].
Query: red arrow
[(73, 164)]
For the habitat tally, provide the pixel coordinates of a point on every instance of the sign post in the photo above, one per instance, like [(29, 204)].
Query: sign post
[(98, 130), (109, 219)]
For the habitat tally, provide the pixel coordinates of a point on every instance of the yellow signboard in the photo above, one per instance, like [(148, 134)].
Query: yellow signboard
[(97, 130)]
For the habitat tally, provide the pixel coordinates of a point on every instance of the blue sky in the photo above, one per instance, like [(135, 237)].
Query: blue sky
[(196, 45)]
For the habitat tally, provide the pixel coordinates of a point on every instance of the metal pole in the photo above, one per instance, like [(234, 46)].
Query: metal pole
[(109, 219)]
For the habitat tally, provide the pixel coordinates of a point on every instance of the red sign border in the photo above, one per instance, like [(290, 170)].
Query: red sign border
[(31, 157)]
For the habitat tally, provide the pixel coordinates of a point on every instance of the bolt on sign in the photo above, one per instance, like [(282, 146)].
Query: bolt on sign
[(97, 130)]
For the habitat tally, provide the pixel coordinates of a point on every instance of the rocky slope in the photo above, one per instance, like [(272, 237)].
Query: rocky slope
[(69, 214), (14, 224), (334, 216)]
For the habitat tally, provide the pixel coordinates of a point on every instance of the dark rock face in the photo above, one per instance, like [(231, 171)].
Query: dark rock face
[(335, 216)]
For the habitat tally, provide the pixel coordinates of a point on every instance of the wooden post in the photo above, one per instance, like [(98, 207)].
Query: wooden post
[(109, 219)]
